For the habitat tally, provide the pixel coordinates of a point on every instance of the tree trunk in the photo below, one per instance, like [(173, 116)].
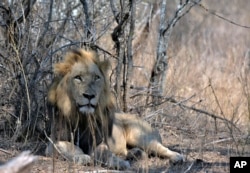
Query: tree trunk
[(158, 75), (128, 63)]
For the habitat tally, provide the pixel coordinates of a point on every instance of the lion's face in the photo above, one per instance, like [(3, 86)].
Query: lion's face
[(80, 84), (86, 84)]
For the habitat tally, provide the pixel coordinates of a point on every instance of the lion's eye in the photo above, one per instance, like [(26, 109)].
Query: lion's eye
[(78, 78), (96, 77)]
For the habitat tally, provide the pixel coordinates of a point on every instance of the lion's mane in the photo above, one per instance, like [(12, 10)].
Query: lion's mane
[(60, 96)]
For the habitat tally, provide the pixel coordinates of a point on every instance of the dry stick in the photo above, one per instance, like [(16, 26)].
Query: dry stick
[(218, 141), (114, 11), (216, 98), (218, 103), (25, 81), (190, 166), (179, 103), (6, 111), (26, 11), (219, 16), (185, 100), (85, 43), (222, 113), (5, 151), (54, 145), (210, 114)]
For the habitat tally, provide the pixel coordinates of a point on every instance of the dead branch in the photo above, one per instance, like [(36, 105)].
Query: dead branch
[(180, 103), (114, 11), (54, 146), (214, 116), (189, 167), (88, 18), (212, 12), (5, 151)]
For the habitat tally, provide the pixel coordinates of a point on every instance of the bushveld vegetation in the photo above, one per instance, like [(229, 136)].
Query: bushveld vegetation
[(184, 67)]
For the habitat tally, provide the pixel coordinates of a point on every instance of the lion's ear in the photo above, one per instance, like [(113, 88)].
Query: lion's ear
[(61, 69), (104, 66)]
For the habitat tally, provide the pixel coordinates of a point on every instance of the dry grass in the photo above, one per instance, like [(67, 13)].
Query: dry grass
[(209, 69)]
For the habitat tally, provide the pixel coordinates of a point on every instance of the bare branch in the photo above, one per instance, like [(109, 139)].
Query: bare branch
[(88, 18), (220, 17), (114, 11), (29, 4)]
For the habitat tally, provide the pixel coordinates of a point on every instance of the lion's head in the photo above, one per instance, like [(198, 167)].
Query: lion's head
[(80, 84)]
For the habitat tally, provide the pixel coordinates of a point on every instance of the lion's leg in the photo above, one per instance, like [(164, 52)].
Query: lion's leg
[(140, 134), (155, 147), (117, 142), (104, 156), (150, 141), (69, 151)]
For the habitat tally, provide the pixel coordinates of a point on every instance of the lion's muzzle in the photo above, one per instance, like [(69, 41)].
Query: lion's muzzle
[(88, 104)]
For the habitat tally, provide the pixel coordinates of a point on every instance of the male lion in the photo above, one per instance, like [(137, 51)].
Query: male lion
[(80, 92)]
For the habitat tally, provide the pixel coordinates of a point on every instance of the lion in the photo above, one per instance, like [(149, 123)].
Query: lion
[(81, 93)]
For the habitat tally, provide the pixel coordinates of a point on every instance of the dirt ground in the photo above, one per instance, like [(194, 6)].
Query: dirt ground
[(204, 149), (210, 161)]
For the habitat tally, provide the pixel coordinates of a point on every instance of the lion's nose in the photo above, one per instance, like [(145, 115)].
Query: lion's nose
[(89, 96)]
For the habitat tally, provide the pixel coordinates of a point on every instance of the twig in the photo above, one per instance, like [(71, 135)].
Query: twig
[(13, 115), (25, 78), (220, 17), (218, 141), (85, 43), (215, 96), (211, 115), (54, 145), (190, 166), (88, 20), (185, 100), (180, 103), (5, 151)]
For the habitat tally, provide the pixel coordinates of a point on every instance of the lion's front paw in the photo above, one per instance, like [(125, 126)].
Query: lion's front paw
[(136, 154), (82, 159), (124, 164), (177, 158)]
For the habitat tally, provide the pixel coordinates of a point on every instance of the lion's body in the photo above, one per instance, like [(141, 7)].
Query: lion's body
[(134, 133), (81, 93)]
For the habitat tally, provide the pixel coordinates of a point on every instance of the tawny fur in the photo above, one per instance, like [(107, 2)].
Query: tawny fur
[(81, 93)]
